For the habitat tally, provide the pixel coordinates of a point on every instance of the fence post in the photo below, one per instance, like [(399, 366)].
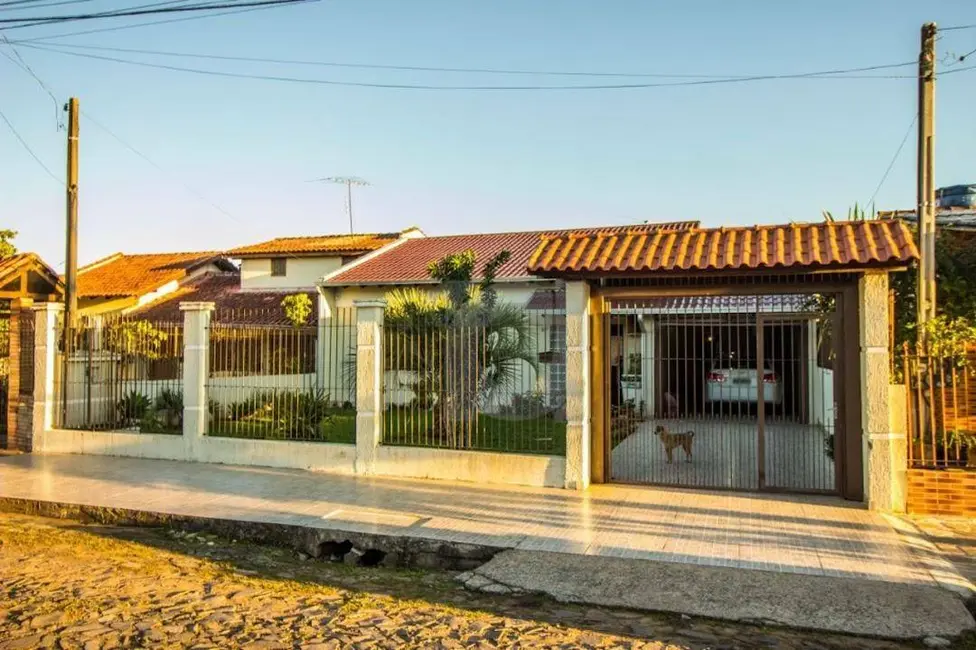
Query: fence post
[(41, 411), (196, 360), (369, 382), (886, 452), (578, 386)]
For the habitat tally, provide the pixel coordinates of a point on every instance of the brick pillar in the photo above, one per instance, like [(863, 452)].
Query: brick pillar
[(886, 451), (369, 383), (196, 360), (578, 386), (18, 338)]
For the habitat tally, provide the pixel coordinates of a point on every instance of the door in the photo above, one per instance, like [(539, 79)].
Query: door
[(729, 392)]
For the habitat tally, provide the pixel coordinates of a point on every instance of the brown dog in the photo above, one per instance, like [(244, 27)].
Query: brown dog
[(672, 441)]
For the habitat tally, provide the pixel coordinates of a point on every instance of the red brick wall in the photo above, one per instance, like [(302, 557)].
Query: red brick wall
[(942, 492)]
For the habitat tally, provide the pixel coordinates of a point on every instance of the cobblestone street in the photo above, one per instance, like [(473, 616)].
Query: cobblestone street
[(69, 585)]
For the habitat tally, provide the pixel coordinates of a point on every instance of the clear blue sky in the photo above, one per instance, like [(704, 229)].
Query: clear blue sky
[(467, 161)]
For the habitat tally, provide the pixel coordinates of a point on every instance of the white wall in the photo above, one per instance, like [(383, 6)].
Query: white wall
[(300, 272), (317, 456), (476, 466)]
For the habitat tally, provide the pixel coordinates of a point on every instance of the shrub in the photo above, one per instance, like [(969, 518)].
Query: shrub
[(531, 404), (300, 414), (169, 408), (132, 407)]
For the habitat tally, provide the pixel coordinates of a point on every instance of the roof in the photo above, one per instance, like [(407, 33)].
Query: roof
[(232, 304), (354, 244), (706, 305), (122, 275), (793, 246), (547, 300), (11, 268), (407, 262), (952, 218)]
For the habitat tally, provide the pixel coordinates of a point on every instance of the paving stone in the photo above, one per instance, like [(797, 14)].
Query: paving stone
[(191, 602)]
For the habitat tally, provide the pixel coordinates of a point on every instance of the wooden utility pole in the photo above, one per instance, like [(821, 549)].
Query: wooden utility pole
[(926, 181), (71, 234)]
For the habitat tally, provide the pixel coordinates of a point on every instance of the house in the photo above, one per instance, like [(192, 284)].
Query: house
[(26, 275), (405, 264), (957, 219), (123, 282), (288, 263), (25, 279)]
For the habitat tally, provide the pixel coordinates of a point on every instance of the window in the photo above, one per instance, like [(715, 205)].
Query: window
[(279, 267)]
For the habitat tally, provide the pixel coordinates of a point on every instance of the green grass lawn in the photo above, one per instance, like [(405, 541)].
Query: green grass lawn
[(539, 435), (339, 426), (411, 427)]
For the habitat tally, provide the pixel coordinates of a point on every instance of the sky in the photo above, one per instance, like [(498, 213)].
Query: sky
[(224, 161)]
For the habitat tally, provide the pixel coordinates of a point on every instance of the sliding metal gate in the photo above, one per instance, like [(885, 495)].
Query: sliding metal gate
[(734, 392)]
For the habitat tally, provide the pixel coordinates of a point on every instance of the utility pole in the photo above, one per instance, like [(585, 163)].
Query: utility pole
[(926, 181), (71, 246), (348, 181)]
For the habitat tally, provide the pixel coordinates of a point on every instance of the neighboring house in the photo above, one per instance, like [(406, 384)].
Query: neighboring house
[(121, 282), (957, 219), (26, 275), (299, 262), (24, 279)]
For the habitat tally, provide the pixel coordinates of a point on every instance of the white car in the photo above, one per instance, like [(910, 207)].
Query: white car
[(742, 385)]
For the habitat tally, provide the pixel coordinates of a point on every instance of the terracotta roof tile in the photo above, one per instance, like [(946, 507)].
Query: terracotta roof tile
[(123, 275), (407, 262), (849, 243), (231, 304), (317, 245)]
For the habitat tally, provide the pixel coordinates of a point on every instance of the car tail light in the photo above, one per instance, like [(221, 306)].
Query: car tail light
[(769, 377), (716, 376)]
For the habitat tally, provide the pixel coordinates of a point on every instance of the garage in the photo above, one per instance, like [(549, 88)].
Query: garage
[(730, 392)]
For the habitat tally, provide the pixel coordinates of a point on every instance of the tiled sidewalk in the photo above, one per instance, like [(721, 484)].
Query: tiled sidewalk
[(818, 536)]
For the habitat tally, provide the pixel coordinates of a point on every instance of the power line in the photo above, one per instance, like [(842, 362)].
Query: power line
[(894, 158), (146, 24), (48, 20), (21, 5), (413, 68), (955, 27), (29, 150), (831, 74), (21, 63)]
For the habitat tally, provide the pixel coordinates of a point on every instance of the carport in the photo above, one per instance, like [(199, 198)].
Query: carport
[(732, 358)]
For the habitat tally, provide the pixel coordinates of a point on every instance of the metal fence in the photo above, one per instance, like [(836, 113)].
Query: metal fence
[(120, 373), (940, 392), (274, 380), (490, 379)]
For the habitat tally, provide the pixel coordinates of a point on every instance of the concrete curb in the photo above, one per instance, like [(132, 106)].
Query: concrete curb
[(850, 606), (336, 543)]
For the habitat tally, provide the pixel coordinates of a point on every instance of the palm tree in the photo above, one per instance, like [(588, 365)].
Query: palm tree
[(464, 351), (857, 213)]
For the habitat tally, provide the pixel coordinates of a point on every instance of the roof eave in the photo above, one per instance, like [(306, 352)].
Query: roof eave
[(891, 266), (269, 254)]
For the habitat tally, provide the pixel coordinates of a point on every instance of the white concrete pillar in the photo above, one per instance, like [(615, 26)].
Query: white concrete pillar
[(369, 382), (885, 451), (196, 361), (45, 370), (578, 386)]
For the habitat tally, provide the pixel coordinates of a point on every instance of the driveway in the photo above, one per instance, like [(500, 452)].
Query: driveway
[(725, 455)]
